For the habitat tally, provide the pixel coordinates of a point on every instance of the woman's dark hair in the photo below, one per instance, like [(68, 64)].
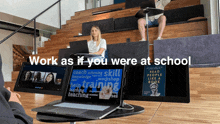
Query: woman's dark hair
[(52, 80)]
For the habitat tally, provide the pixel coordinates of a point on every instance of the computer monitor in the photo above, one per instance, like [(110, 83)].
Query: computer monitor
[(164, 83)]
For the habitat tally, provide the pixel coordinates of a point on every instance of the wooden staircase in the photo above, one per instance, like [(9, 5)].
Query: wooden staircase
[(74, 26)]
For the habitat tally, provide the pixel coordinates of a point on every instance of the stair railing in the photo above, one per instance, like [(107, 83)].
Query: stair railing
[(34, 19)]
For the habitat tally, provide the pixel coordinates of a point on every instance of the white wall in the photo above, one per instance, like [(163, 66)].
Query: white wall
[(103, 3), (107, 2), (30, 8), (214, 16), (69, 7), (210, 7), (6, 50)]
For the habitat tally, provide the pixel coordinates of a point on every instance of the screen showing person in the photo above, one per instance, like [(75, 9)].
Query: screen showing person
[(95, 83), (50, 78), (42, 77), (27, 75), (38, 77)]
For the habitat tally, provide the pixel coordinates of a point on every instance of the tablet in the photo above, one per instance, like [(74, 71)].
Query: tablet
[(44, 79)]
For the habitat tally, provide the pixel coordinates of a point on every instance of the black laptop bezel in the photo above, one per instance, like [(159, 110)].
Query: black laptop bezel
[(91, 101), (50, 92), (185, 99)]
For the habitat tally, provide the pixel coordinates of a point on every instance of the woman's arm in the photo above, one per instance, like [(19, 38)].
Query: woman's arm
[(101, 50), (103, 47)]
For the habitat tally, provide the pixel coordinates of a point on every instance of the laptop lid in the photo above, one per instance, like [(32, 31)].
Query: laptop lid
[(80, 46), (75, 47), (98, 84), (147, 3), (44, 79), (137, 3)]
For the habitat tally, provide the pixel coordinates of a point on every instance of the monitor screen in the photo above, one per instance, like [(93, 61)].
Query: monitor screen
[(46, 79), (165, 83), (95, 84)]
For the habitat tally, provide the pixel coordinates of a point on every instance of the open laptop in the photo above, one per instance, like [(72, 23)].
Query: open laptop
[(75, 47), (80, 46), (92, 93)]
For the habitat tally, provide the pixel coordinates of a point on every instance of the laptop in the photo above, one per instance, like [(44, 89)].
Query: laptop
[(44, 79), (80, 46), (75, 47), (147, 4), (92, 93)]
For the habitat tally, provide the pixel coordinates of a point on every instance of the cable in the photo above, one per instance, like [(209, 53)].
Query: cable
[(132, 108)]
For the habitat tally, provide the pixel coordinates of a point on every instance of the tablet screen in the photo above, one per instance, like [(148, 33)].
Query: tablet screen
[(41, 78)]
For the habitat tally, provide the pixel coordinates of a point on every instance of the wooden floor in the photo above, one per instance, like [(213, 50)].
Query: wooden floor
[(204, 107)]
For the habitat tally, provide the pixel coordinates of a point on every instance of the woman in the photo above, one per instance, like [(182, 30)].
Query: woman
[(49, 78), (97, 45)]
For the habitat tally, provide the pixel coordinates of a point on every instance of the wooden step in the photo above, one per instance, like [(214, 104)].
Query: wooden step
[(116, 14), (89, 11), (181, 3), (172, 5), (76, 23), (171, 31), (14, 75), (69, 29)]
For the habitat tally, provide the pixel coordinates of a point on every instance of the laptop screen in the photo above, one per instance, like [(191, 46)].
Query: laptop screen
[(40, 78), (98, 83)]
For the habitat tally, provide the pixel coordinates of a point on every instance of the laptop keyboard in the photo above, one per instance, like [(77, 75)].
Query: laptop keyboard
[(67, 111), (82, 106)]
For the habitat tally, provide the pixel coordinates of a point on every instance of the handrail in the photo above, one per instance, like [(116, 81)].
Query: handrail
[(29, 22)]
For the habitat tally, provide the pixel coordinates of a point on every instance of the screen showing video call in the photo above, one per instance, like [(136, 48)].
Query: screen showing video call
[(102, 84), (42, 77)]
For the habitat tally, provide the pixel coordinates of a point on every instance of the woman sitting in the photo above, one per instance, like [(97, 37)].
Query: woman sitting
[(97, 45)]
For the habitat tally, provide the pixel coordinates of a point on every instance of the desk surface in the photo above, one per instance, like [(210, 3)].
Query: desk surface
[(204, 106)]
